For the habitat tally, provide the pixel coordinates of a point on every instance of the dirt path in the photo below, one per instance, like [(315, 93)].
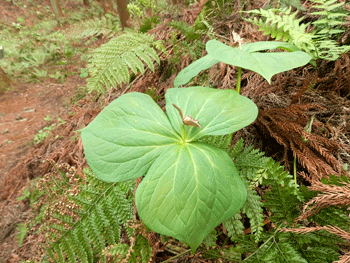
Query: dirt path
[(22, 113)]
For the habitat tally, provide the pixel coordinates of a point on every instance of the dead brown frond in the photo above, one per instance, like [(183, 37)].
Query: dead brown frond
[(331, 229), (190, 15), (331, 195), (287, 127), (344, 258)]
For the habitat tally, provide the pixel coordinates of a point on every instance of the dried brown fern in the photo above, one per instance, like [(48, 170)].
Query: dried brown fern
[(344, 258), (314, 152), (330, 195), (331, 229)]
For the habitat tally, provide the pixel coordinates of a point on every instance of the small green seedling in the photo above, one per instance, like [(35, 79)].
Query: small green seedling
[(189, 187), (247, 56)]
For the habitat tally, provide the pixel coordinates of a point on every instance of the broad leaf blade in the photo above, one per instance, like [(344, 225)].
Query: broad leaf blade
[(266, 64), (219, 112), (193, 70), (126, 137), (188, 198)]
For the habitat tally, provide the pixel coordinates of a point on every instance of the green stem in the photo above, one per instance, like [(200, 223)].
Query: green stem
[(178, 255), (239, 75), (295, 168), (264, 244)]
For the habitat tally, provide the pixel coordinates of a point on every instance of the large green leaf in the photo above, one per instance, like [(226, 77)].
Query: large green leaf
[(189, 187), (266, 64), (219, 112), (188, 191), (126, 137)]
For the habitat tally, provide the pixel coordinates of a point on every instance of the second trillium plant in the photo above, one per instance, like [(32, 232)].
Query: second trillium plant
[(189, 187)]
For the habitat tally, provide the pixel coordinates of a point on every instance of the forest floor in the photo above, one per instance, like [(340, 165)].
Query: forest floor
[(26, 108)]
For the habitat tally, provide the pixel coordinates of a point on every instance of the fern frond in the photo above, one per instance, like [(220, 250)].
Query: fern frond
[(94, 27), (110, 63), (188, 31), (253, 209), (315, 247), (100, 210), (22, 233), (331, 16), (258, 170), (210, 239), (220, 141), (234, 226), (281, 24), (140, 251), (284, 195)]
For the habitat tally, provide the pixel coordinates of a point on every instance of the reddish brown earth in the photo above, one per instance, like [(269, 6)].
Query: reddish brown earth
[(23, 108), (22, 112)]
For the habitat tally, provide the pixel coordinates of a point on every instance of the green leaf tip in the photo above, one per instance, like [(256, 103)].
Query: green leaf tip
[(189, 187)]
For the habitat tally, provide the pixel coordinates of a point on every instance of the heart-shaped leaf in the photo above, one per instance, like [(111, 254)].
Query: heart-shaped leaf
[(188, 191), (248, 57), (189, 187), (266, 64)]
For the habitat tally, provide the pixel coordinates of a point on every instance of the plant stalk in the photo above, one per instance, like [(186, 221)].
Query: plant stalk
[(239, 75), (295, 168), (178, 255)]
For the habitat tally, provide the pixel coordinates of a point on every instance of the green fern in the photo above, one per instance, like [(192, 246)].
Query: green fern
[(85, 220), (328, 27), (111, 63), (22, 229), (139, 252), (188, 31), (258, 170), (234, 226), (331, 17), (220, 141), (282, 25), (253, 209), (283, 200), (103, 26)]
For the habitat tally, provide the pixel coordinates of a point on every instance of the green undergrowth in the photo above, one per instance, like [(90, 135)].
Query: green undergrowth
[(47, 47), (87, 220)]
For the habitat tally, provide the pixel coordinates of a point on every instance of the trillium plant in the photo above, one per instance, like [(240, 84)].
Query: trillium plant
[(189, 187)]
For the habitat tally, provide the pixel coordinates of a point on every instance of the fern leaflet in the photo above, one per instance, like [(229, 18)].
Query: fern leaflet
[(110, 64), (81, 225)]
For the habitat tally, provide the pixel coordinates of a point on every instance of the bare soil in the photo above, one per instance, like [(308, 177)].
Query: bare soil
[(22, 113), (23, 107)]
